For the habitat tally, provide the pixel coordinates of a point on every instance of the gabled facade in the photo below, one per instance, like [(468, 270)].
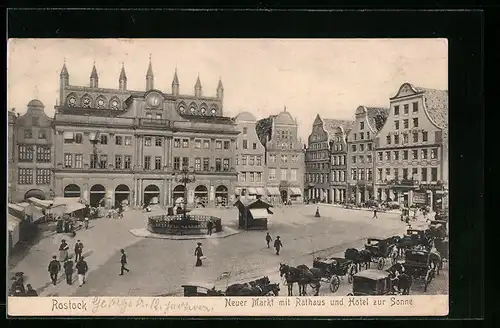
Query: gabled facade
[(250, 158), (412, 147), (339, 129), (361, 151), (118, 145)]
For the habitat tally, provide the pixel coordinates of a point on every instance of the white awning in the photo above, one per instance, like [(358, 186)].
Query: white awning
[(295, 192), (252, 191), (16, 207), (261, 191), (68, 135), (40, 203), (259, 213), (73, 207), (273, 191)]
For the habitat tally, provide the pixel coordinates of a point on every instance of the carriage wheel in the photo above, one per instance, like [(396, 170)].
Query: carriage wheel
[(428, 278), (352, 271), (350, 294), (334, 283), (380, 263)]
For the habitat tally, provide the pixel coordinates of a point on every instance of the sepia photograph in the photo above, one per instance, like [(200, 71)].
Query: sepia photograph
[(265, 173)]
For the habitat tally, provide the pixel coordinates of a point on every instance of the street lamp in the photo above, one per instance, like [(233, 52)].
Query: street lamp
[(185, 176)]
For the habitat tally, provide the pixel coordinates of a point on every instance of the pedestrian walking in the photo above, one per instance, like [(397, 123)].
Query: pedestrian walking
[(63, 251), (198, 252), (78, 250), (86, 221), (54, 268), (68, 271), (123, 262), (268, 239), (210, 226), (81, 270), (375, 214), (278, 245), (30, 291)]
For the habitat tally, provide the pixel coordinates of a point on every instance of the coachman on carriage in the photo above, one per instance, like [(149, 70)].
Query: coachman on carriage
[(380, 250), (422, 263), (333, 268)]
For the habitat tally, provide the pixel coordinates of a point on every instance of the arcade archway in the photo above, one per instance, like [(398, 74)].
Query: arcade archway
[(201, 194), (35, 193), (97, 195), (151, 194), (122, 192), (72, 190), (221, 195), (178, 192)]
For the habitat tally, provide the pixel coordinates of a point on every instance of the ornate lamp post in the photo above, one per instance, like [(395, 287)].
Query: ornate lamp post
[(185, 176)]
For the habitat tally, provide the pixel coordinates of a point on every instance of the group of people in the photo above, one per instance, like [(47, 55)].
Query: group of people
[(18, 289), (68, 264), (277, 243)]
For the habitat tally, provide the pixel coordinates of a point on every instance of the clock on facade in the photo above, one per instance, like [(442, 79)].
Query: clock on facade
[(100, 103), (192, 109), (114, 104), (86, 102), (72, 102), (154, 100), (181, 109)]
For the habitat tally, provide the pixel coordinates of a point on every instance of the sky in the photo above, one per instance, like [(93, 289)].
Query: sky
[(329, 77)]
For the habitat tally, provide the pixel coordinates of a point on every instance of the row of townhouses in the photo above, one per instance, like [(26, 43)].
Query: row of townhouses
[(109, 145), (397, 154)]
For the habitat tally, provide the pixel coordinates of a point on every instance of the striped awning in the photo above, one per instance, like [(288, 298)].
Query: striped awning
[(295, 192), (252, 191), (273, 191), (261, 191), (68, 135)]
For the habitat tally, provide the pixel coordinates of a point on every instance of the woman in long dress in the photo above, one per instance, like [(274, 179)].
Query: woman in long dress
[(63, 251)]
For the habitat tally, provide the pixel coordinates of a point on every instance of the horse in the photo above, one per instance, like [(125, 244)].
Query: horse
[(253, 288), (314, 275), (400, 279), (302, 276), (358, 257), (271, 290)]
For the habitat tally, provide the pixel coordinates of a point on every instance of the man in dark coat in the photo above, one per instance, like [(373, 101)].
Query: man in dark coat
[(375, 214), (68, 271), (30, 291), (278, 245), (78, 250), (198, 252), (54, 268), (123, 262), (81, 270), (268, 239), (210, 226)]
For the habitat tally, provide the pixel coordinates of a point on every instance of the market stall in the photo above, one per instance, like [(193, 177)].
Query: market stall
[(253, 214)]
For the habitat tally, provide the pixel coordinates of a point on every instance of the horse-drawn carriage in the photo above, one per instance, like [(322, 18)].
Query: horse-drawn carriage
[(380, 250), (333, 268), (422, 263), (414, 238), (196, 290), (257, 287), (372, 282), (438, 229)]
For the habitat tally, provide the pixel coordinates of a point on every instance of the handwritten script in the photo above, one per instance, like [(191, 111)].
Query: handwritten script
[(159, 305)]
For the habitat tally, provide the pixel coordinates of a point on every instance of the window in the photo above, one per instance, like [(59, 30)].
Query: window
[(197, 164), (158, 142), (414, 173), (103, 161), (79, 161), (424, 174), (387, 174), (157, 162), (362, 147), (396, 174), (396, 155), (405, 174), (252, 176), (68, 160), (424, 153), (118, 162), (406, 108), (354, 160), (218, 164), (414, 154), (434, 174), (42, 134), (225, 164), (396, 125), (104, 139), (251, 160), (272, 158), (245, 144), (272, 174), (354, 136), (425, 136), (206, 144), (25, 153), (388, 140), (283, 174), (177, 143), (118, 140), (415, 122), (259, 161), (396, 110), (367, 134), (245, 130), (149, 116), (147, 141), (396, 139), (218, 144), (177, 163), (258, 177), (243, 160), (158, 116), (405, 138), (405, 123), (293, 174), (380, 156), (242, 177), (185, 162), (379, 172), (206, 164), (128, 141), (361, 159), (93, 161), (415, 107), (405, 155), (387, 155), (353, 148), (43, 176), (361, 174), (361, 125), (147, 162), (25, 176), (369, 158), (284, 158), (43, 154), (353, 174), (254, 145), (226, 145), (415, 136), (28, 134), (185, 143), (434, 153), (127, 161), (79, 138), (361, 136)]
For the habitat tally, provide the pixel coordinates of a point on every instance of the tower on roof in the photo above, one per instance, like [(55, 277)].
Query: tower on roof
[(175, 84), (122, 81), (197, 87), (150, 76), (63, 81), (220, 89), (94, 78)]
